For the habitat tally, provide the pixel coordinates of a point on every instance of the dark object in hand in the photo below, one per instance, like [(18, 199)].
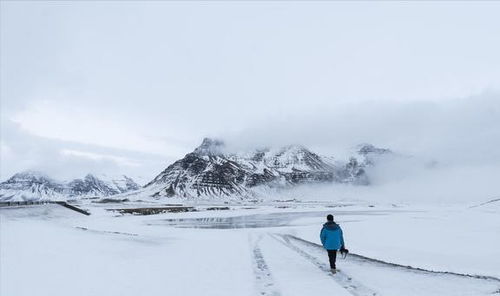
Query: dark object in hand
[(344, 251)]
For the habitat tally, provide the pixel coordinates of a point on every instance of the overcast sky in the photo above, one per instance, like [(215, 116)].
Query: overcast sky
[(128, 87)]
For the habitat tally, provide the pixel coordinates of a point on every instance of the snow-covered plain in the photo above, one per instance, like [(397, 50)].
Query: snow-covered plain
[(264, 249)]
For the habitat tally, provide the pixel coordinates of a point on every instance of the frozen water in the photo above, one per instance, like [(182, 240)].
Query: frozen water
[(255, 221)]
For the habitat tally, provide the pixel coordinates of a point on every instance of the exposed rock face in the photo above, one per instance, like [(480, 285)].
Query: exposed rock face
[(32, 185), (209, 171)]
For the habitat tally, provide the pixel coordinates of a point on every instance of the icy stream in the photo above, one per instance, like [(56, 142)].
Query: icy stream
[(255, 221)]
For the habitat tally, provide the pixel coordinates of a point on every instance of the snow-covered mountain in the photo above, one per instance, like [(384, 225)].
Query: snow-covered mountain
[(211, 171), (32, 185), (101, 185)]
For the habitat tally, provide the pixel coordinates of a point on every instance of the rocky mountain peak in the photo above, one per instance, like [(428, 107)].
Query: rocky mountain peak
[(296, 157), (210, 147), (369, 154), (365, 149), (90, 177), (32, 176)]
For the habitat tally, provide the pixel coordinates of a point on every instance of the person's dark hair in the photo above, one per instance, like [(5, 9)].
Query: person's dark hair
[(329, 217)]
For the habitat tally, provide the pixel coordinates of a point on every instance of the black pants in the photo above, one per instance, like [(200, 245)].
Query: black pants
[(332, 255)]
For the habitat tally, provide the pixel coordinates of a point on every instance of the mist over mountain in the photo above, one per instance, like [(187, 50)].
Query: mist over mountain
[(217, 170), (213, 171)]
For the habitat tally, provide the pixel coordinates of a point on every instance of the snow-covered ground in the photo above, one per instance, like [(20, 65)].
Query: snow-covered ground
[(249, 249)]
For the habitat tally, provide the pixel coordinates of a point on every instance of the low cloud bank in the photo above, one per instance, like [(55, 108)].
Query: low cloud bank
[(446, 151), (463, 131), (399, 182)]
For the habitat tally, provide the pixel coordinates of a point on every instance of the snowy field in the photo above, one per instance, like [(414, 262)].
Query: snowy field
[(268, 249)]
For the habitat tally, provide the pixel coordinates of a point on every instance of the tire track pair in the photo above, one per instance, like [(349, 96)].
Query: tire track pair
[(354, 287), (263, 277)]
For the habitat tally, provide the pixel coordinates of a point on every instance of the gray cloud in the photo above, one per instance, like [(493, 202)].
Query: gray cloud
[(116, 84), (65, 159), (464, 130)]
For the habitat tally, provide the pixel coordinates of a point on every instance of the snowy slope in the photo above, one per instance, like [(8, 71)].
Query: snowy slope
[(261, 248)]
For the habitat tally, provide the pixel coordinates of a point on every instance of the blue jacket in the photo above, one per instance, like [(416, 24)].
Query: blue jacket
[(331, 236)]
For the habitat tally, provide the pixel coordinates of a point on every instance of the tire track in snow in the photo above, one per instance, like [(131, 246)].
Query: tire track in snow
[(133, 237), (106, 231), (407, 268), (263, 277), (347, 282)]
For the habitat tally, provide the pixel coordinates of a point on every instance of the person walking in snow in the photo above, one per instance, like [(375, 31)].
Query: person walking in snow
[(332, 240)]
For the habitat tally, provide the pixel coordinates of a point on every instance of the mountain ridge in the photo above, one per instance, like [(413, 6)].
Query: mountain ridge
[(35, 185), (209, 171)]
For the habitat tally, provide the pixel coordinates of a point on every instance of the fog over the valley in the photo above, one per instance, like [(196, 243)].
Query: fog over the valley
[(128, 88)]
